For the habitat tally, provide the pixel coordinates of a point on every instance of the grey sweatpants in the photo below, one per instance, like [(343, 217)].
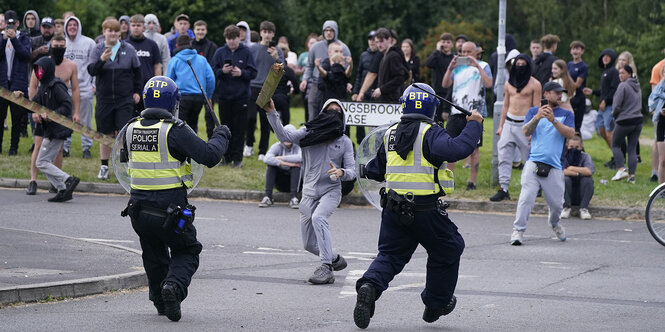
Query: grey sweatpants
[(85, 113), (314, 214), (553, 188), (512, 138), (47, 153)]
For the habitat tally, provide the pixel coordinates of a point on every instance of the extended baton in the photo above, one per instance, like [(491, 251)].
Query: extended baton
[(209, 106), (459, 108)]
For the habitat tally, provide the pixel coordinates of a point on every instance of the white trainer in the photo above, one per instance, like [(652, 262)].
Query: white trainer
[(103, 173), (584, 214), (565, 213), (560, 232), (517, 237), (621, 174)]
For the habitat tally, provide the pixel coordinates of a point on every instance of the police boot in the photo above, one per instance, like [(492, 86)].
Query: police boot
[(171, 297), (364, 305), (431, 315), (159, 305)]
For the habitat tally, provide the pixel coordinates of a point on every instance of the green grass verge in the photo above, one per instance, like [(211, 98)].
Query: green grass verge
[(251, 175)]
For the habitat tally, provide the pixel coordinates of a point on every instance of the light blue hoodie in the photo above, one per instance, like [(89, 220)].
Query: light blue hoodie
[(180, 72)]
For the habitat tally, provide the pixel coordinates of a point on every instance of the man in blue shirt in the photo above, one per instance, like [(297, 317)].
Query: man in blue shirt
[(549, 126)]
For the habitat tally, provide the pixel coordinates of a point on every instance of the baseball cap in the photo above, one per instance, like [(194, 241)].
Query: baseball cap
[(181, 17), (462, 36), (48, 21), (371, 34), (11, 17), (553, 86)]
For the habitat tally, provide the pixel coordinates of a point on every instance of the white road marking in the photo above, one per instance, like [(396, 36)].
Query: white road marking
[(272, 253), (106, 240)]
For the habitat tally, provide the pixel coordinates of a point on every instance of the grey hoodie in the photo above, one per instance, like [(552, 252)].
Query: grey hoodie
[(33, 32), (627, 103), (159, 39), (320, 51), (292, 155), (79, 50), (315, 158), (248, 36)]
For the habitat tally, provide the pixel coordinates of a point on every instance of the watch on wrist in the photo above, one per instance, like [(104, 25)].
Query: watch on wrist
[(555, 121)]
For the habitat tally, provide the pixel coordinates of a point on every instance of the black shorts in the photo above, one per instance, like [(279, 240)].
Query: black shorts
[(112, 117), (39, 130), (660, 129)]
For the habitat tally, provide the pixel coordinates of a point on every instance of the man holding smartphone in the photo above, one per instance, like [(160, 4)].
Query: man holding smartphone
[(14, 61), (439, 61), (467, 76), (549, 126), (234, 68)]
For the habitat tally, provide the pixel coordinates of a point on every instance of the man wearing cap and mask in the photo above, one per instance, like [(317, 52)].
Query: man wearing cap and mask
[(67, 72), (522, 91), (549, 126), (14, 61), (412, 161), (39, 44)]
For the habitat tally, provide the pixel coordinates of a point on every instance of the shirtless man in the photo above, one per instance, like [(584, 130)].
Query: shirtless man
[(522, 91), (65, 70)]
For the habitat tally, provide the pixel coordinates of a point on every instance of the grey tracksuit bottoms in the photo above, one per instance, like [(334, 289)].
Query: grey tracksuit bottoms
[(314, 214)]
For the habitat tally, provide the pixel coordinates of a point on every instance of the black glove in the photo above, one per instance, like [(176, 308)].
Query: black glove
[(362, 171), (222, 130)]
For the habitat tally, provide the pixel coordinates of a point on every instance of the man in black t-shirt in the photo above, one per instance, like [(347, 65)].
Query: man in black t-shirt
[(148, 53)]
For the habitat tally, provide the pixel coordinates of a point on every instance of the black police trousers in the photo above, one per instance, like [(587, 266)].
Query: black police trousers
[(397, 242), (179, 266)]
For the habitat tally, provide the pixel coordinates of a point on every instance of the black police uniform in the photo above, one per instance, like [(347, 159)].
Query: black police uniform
[(431, 227), (148, 222)]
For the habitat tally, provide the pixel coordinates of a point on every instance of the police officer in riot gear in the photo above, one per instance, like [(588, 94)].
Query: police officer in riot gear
[(412, 161), (158, 149)]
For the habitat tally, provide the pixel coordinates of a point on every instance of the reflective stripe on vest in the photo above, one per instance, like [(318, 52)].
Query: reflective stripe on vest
[(151, 166), (415, 174)]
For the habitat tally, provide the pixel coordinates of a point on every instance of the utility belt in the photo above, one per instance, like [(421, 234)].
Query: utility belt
[(406, 206), (176, 218)]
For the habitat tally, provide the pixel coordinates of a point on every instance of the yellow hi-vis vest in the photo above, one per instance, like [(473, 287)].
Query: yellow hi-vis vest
[(151, 166), (415, 174)]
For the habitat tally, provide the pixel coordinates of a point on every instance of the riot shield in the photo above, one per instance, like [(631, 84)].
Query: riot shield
[(366, 152)]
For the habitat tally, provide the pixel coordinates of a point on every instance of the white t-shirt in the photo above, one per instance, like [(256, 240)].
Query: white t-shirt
[(468, 87), (292, 58)]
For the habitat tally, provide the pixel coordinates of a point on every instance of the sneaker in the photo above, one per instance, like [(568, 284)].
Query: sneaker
[(322, 275), (71, 184), (584, 214), (266, 202), (364, 305), (261, 156), (53, 190), (517, 238), (610, 163), (654, 178), (518, 165), (294, 203), (248, 151), (61, 196), (339, 263), (621, 174), (171, 298), (65, 153), (159, 305), (236, 164), (86, 154), (32, 188), (560, 232), (103, 173), (631, 179), (500, 196), (565, 213), (432, 315), (470, 186)]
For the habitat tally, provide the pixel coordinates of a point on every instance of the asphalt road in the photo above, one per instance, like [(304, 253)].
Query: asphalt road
[(608, 275)]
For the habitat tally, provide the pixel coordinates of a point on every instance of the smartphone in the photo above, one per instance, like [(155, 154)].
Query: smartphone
[(543, 102), (228, 62), (462, 60), (272, 43)]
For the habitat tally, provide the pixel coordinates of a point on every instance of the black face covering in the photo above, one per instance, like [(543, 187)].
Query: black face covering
[(574, 157), (328, 125), (520, 75), (57, 54)]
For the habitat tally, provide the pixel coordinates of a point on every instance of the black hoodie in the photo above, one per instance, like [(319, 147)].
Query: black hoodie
[(52, 94), (542, 67), (609, 80)]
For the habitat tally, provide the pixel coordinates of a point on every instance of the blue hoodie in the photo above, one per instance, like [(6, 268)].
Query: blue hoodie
[(180, 72), (232, 88)]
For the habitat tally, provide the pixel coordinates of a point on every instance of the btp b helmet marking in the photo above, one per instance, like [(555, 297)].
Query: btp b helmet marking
[(415, 100), (161, 92)]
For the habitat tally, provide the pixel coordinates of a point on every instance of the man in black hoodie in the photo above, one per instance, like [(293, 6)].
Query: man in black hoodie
[(542, 69), (148, 53), (52, 94), (609, 81)]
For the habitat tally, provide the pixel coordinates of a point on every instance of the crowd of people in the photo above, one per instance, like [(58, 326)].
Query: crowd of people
[(114, 67)]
